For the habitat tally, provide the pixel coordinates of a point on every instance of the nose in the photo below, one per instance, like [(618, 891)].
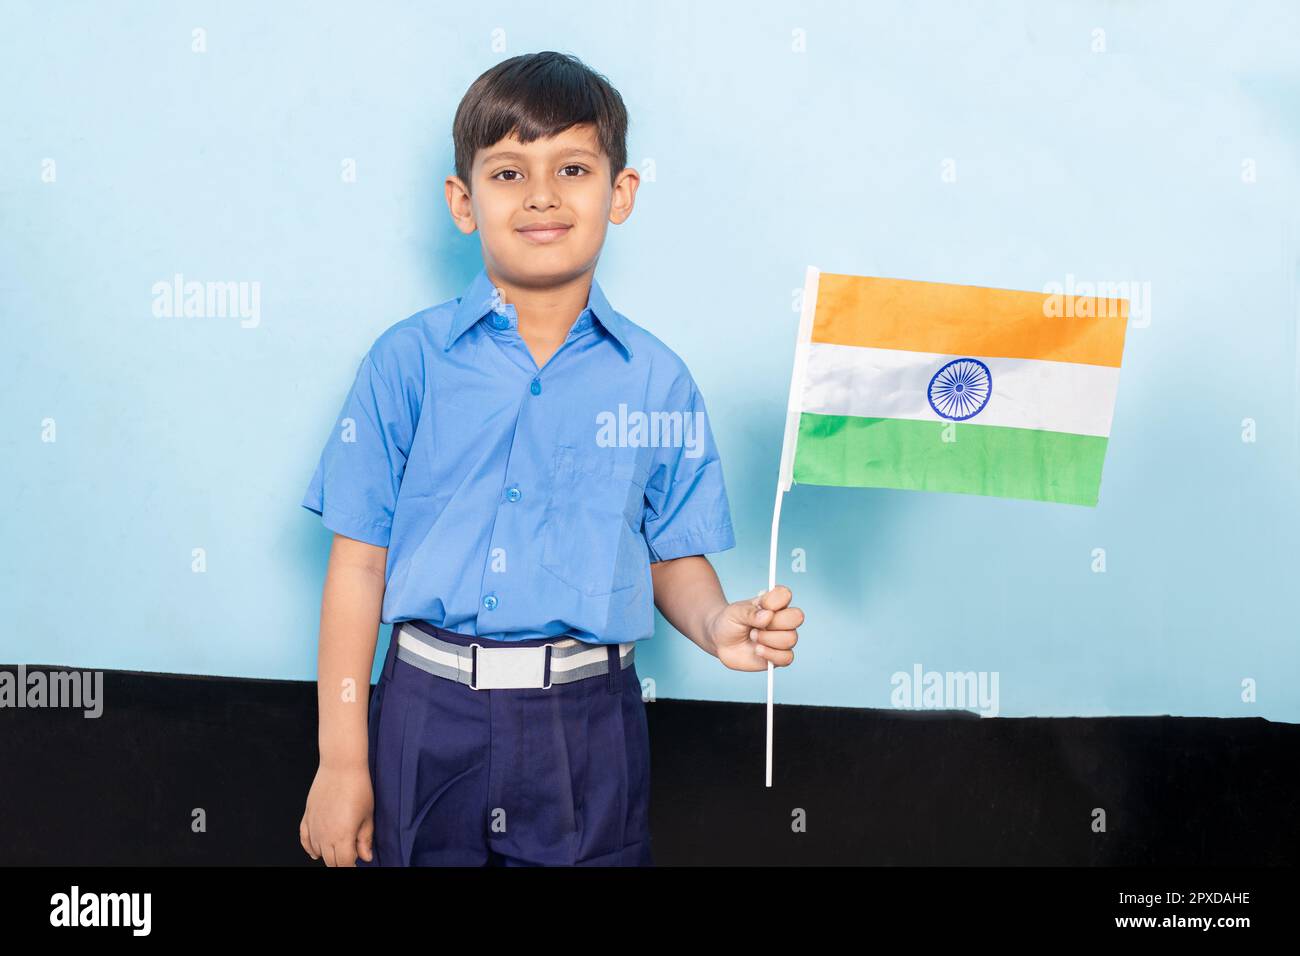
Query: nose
[(542, 197)]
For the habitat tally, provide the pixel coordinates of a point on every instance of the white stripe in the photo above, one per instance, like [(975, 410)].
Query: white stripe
[(429, 652), (894, 383), (588, 655)]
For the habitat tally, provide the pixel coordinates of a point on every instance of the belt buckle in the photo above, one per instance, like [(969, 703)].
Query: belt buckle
[(476, 648)]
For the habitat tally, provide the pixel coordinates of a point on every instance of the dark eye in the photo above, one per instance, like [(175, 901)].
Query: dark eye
[(503, 172), (576, 166)]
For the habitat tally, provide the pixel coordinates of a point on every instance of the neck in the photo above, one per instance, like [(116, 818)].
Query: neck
[(546, 311)]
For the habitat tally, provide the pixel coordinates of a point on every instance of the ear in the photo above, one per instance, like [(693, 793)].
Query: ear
[(460, 204), (624, 196)]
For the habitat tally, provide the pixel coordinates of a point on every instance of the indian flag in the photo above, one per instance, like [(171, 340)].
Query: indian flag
[(936, 387)]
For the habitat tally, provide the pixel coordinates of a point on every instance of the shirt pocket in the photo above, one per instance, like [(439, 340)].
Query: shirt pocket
[(591, 537)]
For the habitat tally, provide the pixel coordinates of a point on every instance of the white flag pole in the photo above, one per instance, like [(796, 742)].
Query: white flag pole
[(786, 477), (771, 583)]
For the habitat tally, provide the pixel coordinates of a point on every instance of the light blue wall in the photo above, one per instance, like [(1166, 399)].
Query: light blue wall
[(1123, 165)]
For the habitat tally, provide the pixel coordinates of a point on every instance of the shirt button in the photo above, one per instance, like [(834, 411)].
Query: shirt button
[(513, 493), (490, 601), (536, 387), (500, 321)]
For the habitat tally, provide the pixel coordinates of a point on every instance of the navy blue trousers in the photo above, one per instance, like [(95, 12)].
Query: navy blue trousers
[(517, 777)]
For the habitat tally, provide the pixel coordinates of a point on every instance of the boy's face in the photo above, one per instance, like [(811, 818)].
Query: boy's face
[(563, 182)]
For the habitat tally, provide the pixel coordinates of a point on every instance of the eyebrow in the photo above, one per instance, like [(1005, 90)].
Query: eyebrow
[(512, 154)]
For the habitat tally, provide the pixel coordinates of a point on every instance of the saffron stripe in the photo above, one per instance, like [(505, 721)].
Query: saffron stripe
[(968, 320)]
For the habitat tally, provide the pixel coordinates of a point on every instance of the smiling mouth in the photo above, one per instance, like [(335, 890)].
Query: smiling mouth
[(544, 235)]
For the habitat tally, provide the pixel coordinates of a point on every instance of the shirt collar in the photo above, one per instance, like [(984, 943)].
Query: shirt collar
[(478, 298)]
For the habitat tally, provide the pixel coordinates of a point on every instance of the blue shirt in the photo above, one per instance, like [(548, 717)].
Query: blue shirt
[(518, 502)]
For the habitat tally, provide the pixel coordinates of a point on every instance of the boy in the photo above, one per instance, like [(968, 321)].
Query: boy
[(517, 474)]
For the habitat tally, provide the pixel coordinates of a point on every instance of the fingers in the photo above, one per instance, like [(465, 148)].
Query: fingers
[(774, 644), (786, 619), (366, 840), (778, 657), (773, 625), (783, 619), (776, 598), (341, 853), (345, 853), (304, 837), (768, 603), (783, 639), (759, 615)]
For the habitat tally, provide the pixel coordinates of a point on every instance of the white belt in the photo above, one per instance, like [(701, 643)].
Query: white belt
[(492, 668)]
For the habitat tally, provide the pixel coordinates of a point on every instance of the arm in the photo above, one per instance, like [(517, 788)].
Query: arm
[(744, 635), (689, 596), (338, 823), (349, 628)]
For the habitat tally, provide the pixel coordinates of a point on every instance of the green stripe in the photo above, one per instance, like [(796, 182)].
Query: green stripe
[(982, 460)]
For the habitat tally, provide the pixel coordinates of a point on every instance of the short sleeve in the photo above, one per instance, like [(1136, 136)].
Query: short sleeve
[(355, 486), (686, 498)]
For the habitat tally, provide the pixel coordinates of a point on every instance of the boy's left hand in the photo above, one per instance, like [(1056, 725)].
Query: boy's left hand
[(748, 634)]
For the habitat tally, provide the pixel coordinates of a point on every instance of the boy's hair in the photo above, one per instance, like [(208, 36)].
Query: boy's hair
[(537, 95)]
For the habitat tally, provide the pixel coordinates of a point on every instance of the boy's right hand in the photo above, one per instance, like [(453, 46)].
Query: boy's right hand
[(339, 821)]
